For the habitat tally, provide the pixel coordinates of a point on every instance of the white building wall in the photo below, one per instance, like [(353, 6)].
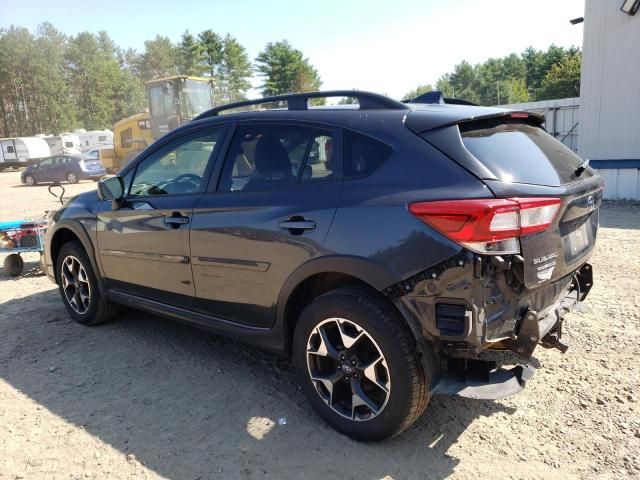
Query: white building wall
[(610, 97), (610, 85)]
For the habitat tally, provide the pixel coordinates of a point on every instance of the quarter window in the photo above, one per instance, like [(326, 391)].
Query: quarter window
[(363, 154), (176, 170)]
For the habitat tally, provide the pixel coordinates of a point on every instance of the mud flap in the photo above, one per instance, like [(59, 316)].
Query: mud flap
[(501, 383)]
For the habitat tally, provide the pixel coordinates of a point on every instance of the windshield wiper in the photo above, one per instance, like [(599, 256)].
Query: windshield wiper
[(583, 166)]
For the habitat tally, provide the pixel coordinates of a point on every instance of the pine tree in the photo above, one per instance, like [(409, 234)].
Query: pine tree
[(212, 47), (190, 55), (284, 69), (159, 59)]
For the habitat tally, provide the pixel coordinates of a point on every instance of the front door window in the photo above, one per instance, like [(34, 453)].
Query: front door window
[(179, 170)]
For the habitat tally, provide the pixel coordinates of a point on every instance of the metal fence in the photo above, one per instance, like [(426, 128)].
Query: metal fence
[(561, 118)]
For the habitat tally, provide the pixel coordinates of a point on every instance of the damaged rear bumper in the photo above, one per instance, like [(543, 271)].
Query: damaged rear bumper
[(495, 320), (493, 385)]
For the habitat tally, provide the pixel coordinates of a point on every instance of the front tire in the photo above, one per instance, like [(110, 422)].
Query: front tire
[(358, 364), (29, 180), (79, 287), (72, 177)]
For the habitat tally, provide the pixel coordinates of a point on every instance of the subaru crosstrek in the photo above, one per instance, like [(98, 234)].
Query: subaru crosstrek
[(393, 250)]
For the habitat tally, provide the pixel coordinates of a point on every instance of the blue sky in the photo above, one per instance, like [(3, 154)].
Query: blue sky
[(383, 46)]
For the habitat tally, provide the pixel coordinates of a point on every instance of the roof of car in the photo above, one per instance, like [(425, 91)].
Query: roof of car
[(418, 116)]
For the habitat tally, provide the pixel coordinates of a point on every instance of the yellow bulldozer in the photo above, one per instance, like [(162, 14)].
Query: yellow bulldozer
[(173, 101)]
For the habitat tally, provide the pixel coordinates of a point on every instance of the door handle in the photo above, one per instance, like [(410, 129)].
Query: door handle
[(176, 219), (297, 225)]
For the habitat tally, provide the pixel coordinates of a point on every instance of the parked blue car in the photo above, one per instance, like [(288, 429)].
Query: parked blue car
[(62, 168)]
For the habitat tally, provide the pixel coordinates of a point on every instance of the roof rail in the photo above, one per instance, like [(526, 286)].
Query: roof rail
[(436, 96), (299, 101)]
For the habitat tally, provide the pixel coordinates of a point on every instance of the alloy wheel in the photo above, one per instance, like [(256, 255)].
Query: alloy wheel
[(348, 369), (29, 180), (71, 178), (75, 285)]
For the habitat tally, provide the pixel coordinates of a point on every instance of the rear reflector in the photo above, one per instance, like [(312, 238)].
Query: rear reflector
[(488, 225)]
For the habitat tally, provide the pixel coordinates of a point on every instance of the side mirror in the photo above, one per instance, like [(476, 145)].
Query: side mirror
[(111, 189)]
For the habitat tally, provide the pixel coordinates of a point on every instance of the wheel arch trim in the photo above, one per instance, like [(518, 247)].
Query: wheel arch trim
[(366, 270), (81, 234)]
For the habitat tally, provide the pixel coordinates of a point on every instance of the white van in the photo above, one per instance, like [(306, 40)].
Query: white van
[(19, 151)]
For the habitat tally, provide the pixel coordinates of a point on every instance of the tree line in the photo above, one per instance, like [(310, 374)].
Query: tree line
[(528, 77), (51, 82)]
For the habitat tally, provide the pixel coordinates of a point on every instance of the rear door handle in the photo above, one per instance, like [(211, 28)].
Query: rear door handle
[(293, 224), (176, 219)]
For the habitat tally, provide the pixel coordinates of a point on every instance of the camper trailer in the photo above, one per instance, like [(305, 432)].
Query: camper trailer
[(94, 138), (63, 144), (19, 151)]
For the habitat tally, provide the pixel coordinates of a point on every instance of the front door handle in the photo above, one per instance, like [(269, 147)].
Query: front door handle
[(176, 219), (297, 225)]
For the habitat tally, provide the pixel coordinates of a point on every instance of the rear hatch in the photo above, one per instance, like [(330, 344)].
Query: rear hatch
[(516, 158)]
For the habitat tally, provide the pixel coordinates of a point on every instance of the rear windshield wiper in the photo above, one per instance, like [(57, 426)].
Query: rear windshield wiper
[(583, 166)]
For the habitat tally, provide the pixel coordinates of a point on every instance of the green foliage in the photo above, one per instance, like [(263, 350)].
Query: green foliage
[(52, 83), (190, 55), (211, 44), (532, 75), (563, 79), (284, 69), (235, 71), (159, 59)]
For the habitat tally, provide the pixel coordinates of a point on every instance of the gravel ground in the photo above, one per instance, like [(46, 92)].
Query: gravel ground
[(142, 397)]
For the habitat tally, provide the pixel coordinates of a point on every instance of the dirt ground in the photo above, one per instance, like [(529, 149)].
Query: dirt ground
[(142, 397)]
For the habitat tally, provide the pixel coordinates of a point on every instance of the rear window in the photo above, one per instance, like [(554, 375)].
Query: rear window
[(517, 152)]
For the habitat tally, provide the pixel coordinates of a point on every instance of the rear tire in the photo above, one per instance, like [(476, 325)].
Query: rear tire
[(13, 264), (72, 177), (382, 364), (79, 287)]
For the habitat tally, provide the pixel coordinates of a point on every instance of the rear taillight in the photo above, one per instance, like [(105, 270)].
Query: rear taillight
[(488, 225)]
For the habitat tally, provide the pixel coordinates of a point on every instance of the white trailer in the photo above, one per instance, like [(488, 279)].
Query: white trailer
[(19, 151), (94, 138), (63, 144)]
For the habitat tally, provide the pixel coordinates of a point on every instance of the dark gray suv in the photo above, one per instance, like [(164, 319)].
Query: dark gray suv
[(393, 250)]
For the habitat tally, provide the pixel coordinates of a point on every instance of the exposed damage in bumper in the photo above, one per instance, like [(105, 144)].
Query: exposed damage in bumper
[(472, 309)]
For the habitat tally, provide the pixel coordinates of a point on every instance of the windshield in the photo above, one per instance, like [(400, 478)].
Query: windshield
[(162, 99), (195, 97)]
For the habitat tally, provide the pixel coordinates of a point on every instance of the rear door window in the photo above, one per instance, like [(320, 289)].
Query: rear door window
[(521, 153), (265, 157)]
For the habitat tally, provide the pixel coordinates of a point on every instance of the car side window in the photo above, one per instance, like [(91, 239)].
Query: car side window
[(319, 163), (263, 157), (363, 154), (46, 162), (177, 169)]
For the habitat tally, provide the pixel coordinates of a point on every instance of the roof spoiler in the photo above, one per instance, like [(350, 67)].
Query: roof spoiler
[(436, 97)]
